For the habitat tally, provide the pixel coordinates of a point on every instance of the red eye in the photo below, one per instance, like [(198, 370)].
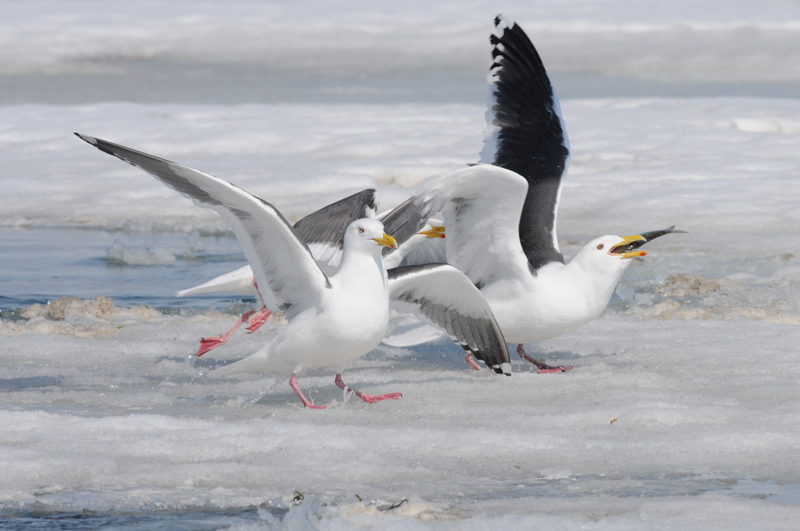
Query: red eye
[(361, 229), (599, 247)]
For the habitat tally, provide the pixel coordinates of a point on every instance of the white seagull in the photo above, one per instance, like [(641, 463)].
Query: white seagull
[(323, 232), (500, 216), (332, 319)]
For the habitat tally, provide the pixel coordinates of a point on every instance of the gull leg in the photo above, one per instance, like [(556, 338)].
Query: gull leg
[(471, 361), (363, 396), (210, 343), (258, 319), (543, 367), (293, 385)]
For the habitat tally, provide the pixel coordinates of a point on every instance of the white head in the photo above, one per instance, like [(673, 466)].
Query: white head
[(607, 257), (367, 235)]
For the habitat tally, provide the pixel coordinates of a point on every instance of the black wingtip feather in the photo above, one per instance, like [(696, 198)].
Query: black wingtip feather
[(531, 140)]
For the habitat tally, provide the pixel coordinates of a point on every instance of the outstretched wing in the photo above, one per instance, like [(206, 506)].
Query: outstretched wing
[(279, 259), (527, 136), (445, 296)]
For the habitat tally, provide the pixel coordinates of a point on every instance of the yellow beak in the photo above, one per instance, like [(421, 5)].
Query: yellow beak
[(435, 232), (627, 248), (387, 241)]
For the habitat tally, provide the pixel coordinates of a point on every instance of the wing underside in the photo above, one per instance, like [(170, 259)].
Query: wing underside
[(448, 299), (280, 260)]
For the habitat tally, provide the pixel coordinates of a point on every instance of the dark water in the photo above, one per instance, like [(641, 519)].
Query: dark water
[(53, 262), (200, 518)]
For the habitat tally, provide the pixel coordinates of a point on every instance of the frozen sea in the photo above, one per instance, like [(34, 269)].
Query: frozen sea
[(683, 411)]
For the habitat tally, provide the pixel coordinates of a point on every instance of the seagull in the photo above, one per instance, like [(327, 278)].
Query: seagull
[(500, 214), (323, 232), (334, 319)]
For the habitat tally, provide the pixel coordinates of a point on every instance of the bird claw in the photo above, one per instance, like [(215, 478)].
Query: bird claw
[(547, 369), (470, 359), (208, 344), (371, 399), (255, 321)]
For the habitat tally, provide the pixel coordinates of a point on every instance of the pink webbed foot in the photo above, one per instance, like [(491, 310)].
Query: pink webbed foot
[(258, 319), (210, 343), (543, 367), (370, 399), (306, 402), (470, 359)]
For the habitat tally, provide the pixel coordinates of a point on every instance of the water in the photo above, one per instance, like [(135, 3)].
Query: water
[(186, 519), (53, 262)]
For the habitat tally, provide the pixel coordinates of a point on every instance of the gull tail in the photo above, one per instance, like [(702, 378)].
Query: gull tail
[(239, 281)]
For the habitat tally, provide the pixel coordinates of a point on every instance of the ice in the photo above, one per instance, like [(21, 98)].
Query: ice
[(695, 359), (682, 411), (712, 41)]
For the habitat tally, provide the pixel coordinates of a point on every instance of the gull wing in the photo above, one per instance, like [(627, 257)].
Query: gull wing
[(280, 260), (481, 205), (323, 232), (527, 135), (449, 300)]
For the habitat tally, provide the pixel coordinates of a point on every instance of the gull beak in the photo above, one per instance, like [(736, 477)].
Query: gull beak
[(629, 245), (435, 232), (387, 241)]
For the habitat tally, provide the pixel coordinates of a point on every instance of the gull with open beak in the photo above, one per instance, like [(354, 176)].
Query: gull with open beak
[(500, 215)]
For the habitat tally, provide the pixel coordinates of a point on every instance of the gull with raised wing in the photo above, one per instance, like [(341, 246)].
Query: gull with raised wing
[(500, 214)]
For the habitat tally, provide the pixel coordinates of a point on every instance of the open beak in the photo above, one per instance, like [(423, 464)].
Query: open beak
[(387, 241), (629, 245), (435, 232)]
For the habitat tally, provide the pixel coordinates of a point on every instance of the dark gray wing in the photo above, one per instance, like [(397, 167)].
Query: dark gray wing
[(445, 296), (528, 136), (324, 229), (280, 260)]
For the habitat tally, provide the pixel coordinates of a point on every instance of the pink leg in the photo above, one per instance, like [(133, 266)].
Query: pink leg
[(543, 367), (255, 322), (363, 396), (210, 343), (293, 385), (471, 361)]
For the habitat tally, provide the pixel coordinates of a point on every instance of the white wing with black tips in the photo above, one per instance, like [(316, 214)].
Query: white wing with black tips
[(449, 300), (280, 260), (527, 136)]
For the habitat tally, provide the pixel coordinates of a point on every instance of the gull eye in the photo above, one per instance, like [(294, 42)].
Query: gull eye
[(600, 247), (361, 229)]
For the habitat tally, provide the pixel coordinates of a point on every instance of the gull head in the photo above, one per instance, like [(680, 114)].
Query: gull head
[(613, 253), (368, 235)]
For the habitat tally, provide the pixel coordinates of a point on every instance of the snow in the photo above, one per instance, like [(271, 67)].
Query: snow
[(683, 408)]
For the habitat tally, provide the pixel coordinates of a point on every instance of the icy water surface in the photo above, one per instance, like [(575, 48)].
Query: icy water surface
[(131, 268), (683, 410)]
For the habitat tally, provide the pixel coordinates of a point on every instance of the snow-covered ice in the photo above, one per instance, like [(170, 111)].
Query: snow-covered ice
[(683, 410)]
